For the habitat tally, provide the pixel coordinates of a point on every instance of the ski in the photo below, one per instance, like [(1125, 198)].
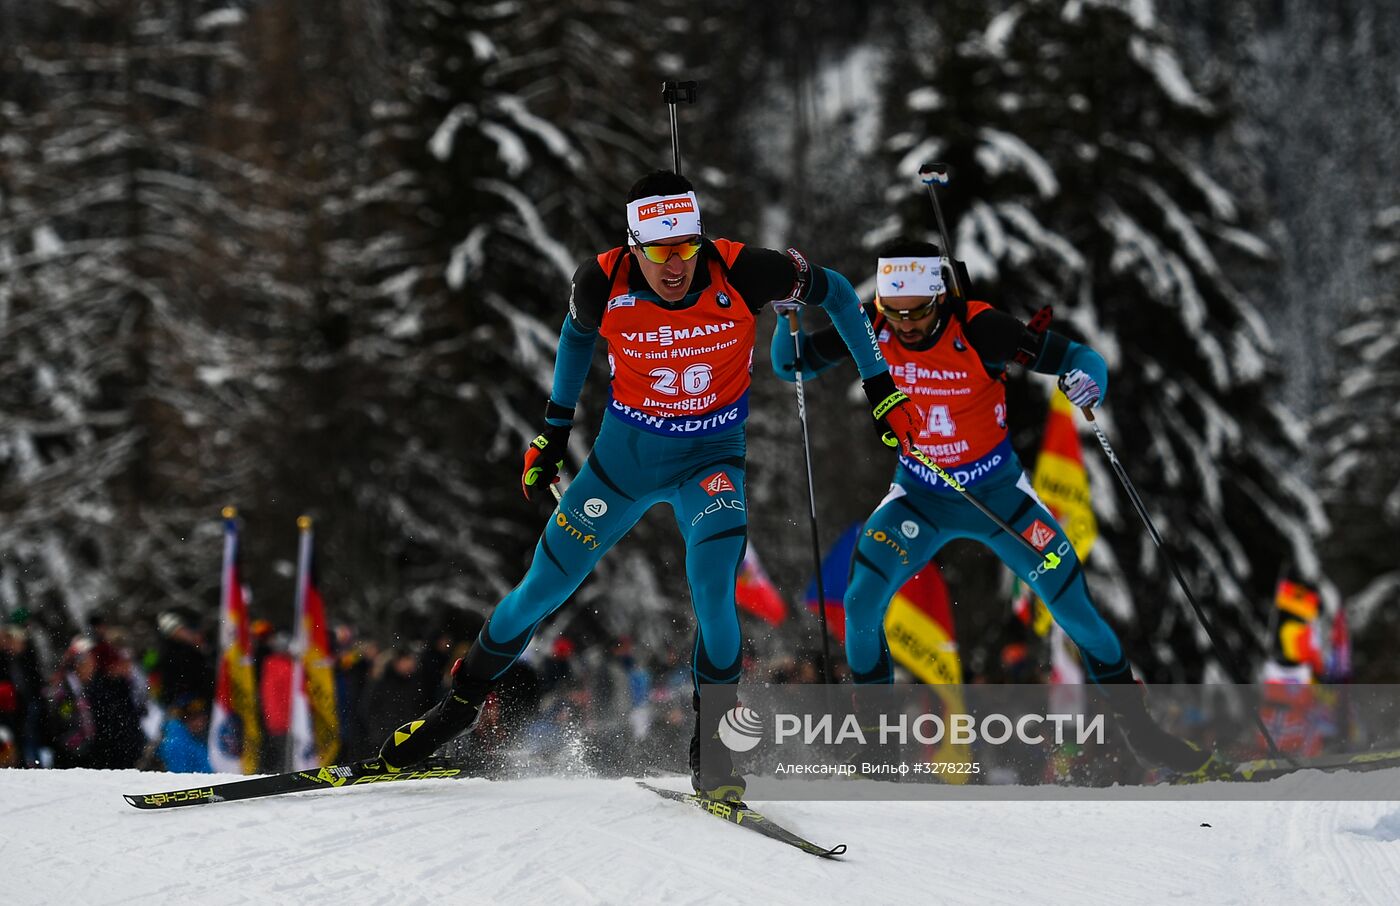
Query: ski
[(1221, 769), (1272, 768), (332, 776), (745, 816)]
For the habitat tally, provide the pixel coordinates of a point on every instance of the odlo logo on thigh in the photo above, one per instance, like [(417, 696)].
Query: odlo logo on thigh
[(719, 503), (1040, 570), (880, 536)]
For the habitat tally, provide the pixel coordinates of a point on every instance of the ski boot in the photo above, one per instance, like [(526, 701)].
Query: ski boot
[(875, 759), (454, 715), (1149, 743), (1216, 767), (712, 772)]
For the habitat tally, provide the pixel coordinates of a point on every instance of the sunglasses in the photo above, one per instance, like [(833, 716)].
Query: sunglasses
[(659, 254), (908, 314)]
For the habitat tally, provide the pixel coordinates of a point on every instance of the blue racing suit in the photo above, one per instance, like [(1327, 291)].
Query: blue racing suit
[(690, 456)]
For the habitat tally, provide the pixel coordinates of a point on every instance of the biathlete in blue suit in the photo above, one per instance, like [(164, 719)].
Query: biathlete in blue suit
[(677, 311), (948, 356)]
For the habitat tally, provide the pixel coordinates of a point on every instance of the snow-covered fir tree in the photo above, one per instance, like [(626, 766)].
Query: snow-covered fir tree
[(495, 155), (1316, 120), (1361, 459), (132, 305), (296, 261)]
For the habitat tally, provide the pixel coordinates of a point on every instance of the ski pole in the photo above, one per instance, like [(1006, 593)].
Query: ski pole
[(931, 174), (1221, 652), (1049, 561), (674, 93), (938, 173), (795, 331)]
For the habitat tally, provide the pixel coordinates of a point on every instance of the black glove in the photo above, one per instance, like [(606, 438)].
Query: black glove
[(896, 418), (545, 455)]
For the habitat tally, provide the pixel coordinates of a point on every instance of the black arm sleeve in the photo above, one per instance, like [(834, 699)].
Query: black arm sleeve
[(997, 336), (766, 275), (589, 296), (1052, 354)]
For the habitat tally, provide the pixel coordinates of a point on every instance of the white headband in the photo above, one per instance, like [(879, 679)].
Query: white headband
[(915, 276), (659, 217)]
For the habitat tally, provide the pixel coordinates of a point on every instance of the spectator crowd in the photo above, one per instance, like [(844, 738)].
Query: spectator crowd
[(138, 694)]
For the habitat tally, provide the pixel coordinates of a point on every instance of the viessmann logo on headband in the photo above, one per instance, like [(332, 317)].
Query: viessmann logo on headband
[(660, 217), (682, 205)]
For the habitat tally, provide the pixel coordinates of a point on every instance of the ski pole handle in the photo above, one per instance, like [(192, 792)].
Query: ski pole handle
[(934, 173), (673, 92), (1088, 413)]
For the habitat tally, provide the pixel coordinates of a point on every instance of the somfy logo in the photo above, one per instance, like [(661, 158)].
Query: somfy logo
[(595, 507), (740, 729)]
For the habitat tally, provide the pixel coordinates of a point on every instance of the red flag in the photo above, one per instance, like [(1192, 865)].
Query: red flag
[(756, 593), (1339, 649), (315, 729)]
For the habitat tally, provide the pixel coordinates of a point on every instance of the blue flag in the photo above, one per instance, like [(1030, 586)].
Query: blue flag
[(836, 572)]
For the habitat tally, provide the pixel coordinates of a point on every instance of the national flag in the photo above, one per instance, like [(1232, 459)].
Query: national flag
[(756, 593), (1294, 655), (1029, 609), (1066, 674), (1300, 715), (314, 736), (919, 630), (1339, 649), (836, 571), (1062, 484), (235, 737)]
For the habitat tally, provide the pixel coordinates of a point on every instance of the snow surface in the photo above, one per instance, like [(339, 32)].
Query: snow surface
[(68, 837)]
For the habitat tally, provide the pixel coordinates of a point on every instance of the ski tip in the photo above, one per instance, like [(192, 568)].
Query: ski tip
[(142, 802)]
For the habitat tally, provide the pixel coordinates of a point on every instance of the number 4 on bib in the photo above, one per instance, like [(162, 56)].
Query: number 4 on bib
[(938, 421)]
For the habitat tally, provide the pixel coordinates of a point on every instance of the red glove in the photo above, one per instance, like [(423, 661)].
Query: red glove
[(896, 418), (545, 455)]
